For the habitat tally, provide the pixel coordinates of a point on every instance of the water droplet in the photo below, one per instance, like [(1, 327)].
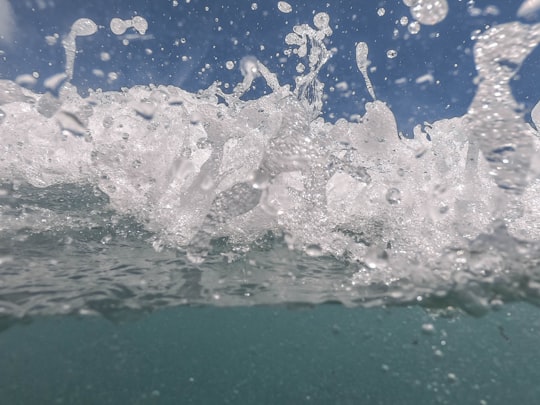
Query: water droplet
[(321, 21), (118, 26), (393, 196), (140, 24), (249, 66), (284, 7), (429, 12), (391, 53), (84, 27), (414, 27)]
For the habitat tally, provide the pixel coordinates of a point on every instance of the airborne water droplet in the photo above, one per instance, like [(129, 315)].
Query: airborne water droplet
[(414, 27), (284, 7), (84, 27), (140, 24), (429, 12), (391, 53), (118, 26)]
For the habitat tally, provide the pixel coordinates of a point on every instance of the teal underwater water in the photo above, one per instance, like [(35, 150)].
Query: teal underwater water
[(275, 355)]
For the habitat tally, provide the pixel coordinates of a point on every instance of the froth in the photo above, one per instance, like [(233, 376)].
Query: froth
[(196, 167)]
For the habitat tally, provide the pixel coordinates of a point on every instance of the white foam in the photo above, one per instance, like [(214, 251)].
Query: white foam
[(195, 167)]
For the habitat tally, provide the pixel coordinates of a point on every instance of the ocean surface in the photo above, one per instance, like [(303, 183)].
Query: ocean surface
[(269, 202)]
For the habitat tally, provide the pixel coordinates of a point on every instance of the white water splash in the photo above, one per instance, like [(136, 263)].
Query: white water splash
[(417, 216)]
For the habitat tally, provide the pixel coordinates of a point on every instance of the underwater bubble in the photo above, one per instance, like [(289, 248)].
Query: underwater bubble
[(2, 116), (428, 329)]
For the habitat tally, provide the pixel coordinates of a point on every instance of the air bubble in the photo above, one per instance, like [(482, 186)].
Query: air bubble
[(428, 329), (2, 116), (118, 26), (140, 24), (393, 196), (84, 27), (381, 11)]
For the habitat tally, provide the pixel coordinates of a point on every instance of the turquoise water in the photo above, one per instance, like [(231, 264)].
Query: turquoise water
[(275, 355)]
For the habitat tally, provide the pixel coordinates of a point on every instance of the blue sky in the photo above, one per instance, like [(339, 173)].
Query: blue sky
[(230, 30)]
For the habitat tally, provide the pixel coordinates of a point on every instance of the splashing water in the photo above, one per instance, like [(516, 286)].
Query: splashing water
[(300, 209)]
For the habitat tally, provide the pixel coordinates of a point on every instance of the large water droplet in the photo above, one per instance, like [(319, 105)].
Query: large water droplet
[(140, 24), (429, 12), (284, 7), (118, 26), (84, 27)]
